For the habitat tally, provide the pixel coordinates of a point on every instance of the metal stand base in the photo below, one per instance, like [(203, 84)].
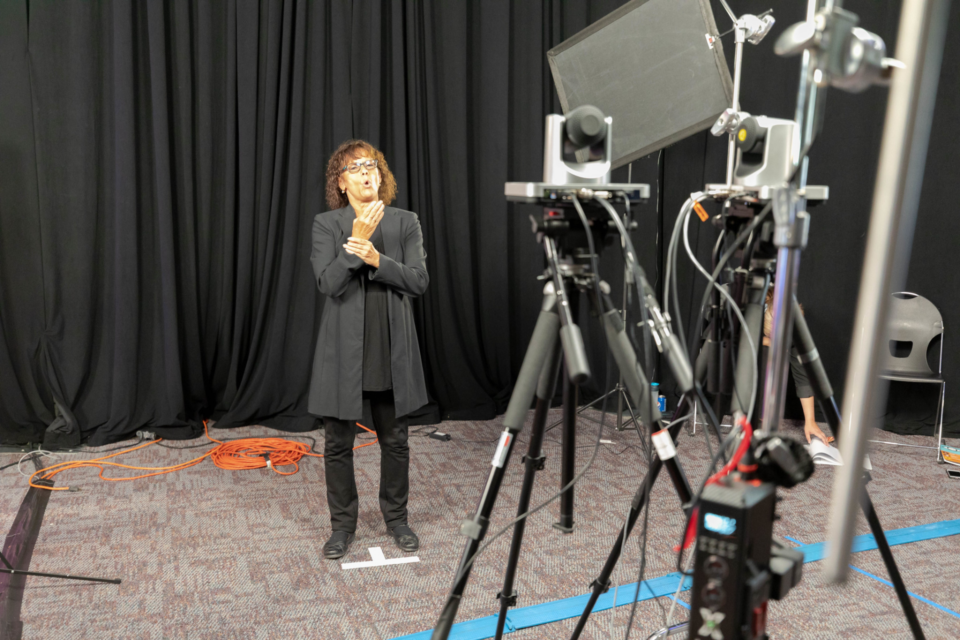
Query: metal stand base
[(823, 391), (65, 576)]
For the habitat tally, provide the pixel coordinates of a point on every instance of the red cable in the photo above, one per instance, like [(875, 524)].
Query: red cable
[(732, 464)]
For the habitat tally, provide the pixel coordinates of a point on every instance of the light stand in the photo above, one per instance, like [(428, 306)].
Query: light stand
[(8, 568), (835, 52), (906, 132)]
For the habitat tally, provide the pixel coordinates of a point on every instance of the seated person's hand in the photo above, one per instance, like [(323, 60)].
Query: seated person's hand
[(812, 430)]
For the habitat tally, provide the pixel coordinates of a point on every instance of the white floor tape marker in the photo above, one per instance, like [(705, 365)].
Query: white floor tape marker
[(379, 560)]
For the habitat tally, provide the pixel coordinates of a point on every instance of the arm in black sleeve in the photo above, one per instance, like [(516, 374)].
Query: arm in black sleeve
[(332, 269), (410, 276), (800, 379)]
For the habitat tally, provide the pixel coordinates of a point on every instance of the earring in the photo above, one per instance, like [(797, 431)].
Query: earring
[(343, 190)]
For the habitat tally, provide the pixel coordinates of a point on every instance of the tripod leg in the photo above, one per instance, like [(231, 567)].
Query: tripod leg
[(541, 346), (636, 383), (534, 462), (626, 359), (878, 534), (813, 365), (64, 576), (602, 583), (568, 453), (747, 364)]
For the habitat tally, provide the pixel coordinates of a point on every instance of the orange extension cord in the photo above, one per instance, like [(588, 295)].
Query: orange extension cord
[(235, 455)]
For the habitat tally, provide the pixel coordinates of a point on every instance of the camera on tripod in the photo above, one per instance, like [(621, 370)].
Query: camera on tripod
[(577, 160), (766, 157)]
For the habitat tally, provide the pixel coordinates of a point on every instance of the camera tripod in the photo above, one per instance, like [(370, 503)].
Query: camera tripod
[(750, 285), (570, 274), (806, 351)]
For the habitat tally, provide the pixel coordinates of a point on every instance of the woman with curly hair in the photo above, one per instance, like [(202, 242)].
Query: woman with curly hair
[(369, 262)]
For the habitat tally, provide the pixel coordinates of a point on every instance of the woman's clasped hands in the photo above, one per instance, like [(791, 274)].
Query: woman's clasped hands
[(364, 225)]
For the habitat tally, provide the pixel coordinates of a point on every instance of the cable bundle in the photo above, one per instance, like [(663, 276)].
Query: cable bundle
[(234, 455), (256, 453)]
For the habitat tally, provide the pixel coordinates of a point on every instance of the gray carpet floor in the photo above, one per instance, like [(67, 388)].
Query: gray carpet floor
[(206, 553)]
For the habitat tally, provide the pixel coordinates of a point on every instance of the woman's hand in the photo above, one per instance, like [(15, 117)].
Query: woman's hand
[(363, 248), (366, 222)]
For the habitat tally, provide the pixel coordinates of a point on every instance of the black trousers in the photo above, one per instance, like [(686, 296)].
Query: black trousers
[(800, 379), (394, 465)]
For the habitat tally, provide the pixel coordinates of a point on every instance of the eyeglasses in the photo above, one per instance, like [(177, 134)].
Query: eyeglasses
[(354, 167)]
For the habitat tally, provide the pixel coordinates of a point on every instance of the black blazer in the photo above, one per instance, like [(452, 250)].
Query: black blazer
[(337, 381)]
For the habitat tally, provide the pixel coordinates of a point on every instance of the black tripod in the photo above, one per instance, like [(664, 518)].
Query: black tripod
[(751, 282), (755, 284), (538, 375)]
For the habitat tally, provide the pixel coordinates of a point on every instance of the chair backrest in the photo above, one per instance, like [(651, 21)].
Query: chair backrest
[(914, 322)]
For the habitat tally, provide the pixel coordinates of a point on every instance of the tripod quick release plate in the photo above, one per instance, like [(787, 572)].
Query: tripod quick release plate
[(547, 194), (814, 194)]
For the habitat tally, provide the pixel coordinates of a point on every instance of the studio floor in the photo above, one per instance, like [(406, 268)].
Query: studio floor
[(206, 553)]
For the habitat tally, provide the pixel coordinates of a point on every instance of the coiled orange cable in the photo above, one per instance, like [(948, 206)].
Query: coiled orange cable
[(234, 455)]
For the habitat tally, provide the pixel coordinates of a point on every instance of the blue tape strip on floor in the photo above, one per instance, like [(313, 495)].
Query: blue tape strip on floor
[(911, 593), (890, 584), (572, 607), (538, 614), (548, 612), (818, 551)]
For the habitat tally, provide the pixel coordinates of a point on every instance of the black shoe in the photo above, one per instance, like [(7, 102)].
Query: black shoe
[(405, 538), (337, 545)]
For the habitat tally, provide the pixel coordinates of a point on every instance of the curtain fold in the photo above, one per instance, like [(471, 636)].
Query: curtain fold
[(161, 164)]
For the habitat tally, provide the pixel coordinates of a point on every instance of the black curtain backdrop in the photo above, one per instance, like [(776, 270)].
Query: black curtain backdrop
[(161, 163)]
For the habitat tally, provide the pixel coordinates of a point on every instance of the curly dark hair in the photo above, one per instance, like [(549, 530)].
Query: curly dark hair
[(350, 150)]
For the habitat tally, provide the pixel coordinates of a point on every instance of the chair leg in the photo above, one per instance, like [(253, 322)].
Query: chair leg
[(942, 402)]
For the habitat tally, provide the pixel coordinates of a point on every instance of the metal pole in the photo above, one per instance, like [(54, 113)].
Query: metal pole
[(740, 37), (626, 281), (788, 257), (896, 195)]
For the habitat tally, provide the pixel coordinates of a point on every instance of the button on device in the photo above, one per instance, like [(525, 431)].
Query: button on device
[(715, 567), (713, 594)]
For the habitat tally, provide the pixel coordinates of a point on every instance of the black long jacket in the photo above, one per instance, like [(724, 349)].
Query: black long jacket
[(336, 383)]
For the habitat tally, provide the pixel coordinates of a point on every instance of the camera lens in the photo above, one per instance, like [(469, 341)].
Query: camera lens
[(585, 127)]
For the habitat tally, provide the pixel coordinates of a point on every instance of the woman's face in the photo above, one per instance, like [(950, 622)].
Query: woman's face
[(362, 183)]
